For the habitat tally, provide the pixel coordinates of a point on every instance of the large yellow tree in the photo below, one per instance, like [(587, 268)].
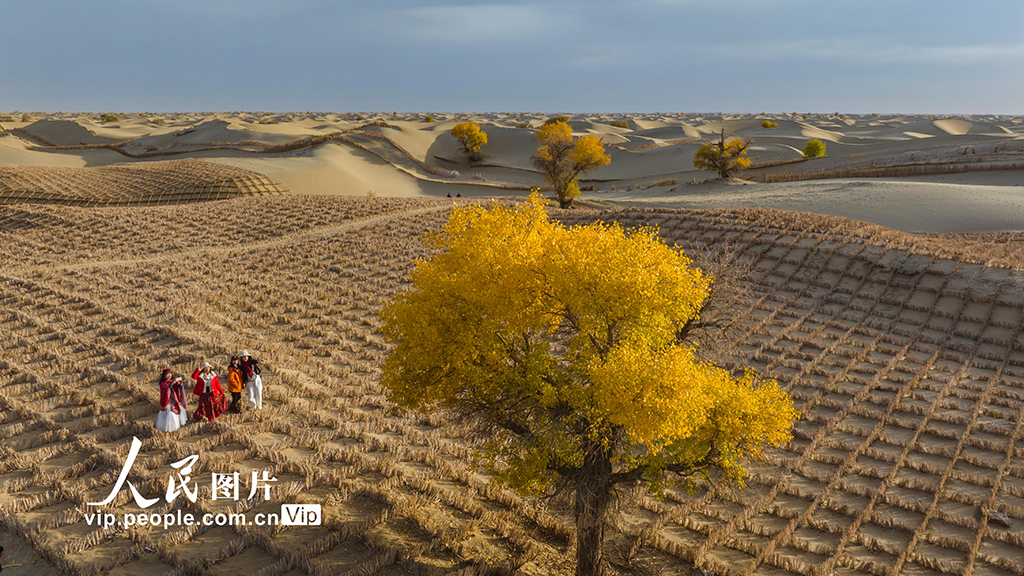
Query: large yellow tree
[(563, 159), (573, 350)]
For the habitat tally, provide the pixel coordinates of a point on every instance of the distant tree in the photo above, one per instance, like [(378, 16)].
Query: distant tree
[(769, 124), (575, 352), (725, 156), (563, 159), (814, 149), (107, 117), (428, 119), (559, 118), (471, 137), (620, 123)]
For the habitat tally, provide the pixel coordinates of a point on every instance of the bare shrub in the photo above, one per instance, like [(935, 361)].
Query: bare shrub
[(560, 118)]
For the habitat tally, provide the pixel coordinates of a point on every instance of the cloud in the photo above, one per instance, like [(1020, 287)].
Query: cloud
[(469, 24), (867, 51)]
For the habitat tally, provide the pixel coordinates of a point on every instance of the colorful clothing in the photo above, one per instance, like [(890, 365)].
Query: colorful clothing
[(235, 381), (173, 406), (211, 396)]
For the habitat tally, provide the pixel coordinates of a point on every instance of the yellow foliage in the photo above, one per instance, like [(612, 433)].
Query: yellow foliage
[(560, 339), (724, 156), (563, 159), (554, 132), (471, 137), (589, 150), (814, 149)]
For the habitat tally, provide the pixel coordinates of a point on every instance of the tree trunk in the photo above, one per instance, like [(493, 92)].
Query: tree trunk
[(593, 499)]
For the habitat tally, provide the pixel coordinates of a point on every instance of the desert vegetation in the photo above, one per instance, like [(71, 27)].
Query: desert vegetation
[(563, 159), (814, 149), (471, 137), (769, 124), (581, 372), (901, 352), (563, 118), (724, 157)]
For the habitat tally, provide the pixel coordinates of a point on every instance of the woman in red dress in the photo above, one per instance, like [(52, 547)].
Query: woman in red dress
[(211, 396)]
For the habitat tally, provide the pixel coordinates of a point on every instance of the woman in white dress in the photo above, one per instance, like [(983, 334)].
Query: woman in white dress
[(173, 407), (253, 381)]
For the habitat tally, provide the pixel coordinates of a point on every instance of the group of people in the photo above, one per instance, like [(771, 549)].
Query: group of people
[(244, 374)]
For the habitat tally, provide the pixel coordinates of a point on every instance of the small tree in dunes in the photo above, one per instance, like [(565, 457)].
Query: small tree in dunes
[(724, 157), (814, 149), (563, 159), (576, 354), (471, 137), (559, 118)]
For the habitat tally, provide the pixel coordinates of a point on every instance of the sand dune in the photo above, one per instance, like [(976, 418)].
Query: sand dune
[(141, 184), (919, 205), (404, 155), (67, 133)]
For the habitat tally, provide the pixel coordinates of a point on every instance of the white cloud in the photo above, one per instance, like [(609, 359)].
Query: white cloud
[(468, 24)]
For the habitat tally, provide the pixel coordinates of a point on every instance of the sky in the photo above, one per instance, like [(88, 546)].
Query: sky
[(848, 56)]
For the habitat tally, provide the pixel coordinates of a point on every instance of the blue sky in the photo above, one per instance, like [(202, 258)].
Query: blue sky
[(854, 56)]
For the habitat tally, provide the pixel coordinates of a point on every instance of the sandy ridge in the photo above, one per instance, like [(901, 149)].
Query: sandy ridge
[(915, 173)]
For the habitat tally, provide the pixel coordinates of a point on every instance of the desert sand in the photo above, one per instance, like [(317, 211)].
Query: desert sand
[(389, 154), (903, 351)]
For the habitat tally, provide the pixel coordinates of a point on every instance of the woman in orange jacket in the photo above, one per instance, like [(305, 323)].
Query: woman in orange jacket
[(235, 383)]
